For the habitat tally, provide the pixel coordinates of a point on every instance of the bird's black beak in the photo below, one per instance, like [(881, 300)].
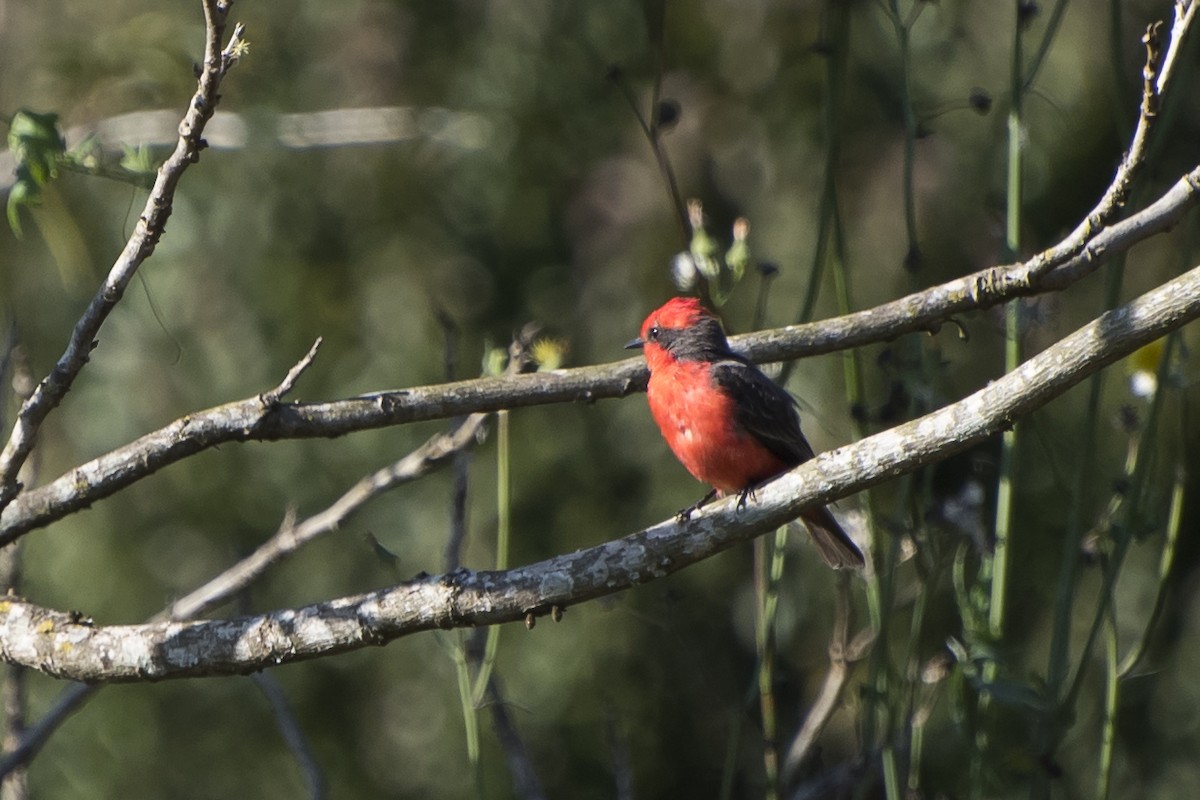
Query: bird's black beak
[(636, 344)]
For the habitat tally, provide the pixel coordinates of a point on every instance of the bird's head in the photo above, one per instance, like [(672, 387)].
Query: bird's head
[(681, 330)]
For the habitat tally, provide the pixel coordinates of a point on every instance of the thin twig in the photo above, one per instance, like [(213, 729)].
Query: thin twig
[(150, 227), (67, 646), (1157, 74), (291, 535), (651, 125), (1184, 16), (460, 645), (458, 492), (526, 785), (34, 738), (843, 654), (16, 783), (14, 371), (285, 717), (288, 383)]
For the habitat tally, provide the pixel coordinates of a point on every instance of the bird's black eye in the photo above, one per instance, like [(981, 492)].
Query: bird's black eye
[(653, 333)]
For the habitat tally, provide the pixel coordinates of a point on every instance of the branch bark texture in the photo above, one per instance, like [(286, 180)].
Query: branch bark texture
[(67, 646), (257, 418)]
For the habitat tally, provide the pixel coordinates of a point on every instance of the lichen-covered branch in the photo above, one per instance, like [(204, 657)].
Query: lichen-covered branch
[(68, 646)]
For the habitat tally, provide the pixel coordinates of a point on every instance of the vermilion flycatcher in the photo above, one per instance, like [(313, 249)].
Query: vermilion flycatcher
[(731, 426)]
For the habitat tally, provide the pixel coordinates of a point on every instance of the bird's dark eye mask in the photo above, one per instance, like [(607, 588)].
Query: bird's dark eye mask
[(703, 341)]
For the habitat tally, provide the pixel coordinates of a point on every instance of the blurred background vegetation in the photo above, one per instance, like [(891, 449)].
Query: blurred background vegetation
[(515, 183)]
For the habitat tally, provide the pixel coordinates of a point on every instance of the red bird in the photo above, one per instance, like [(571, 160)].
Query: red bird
[(731, 426)]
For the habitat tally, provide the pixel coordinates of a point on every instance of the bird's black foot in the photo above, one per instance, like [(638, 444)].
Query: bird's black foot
[(746, 495), (686, 513)]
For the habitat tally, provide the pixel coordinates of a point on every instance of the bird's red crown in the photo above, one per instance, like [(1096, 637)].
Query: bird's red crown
[(678, 312)]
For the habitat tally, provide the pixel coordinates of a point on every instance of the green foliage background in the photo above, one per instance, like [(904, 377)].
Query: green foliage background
[(525, 190)]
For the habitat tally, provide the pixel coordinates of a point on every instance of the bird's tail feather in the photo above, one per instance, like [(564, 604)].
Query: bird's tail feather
[(836, 547)]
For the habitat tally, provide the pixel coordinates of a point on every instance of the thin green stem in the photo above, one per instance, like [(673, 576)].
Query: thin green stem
[(897, 700), (1174, 521), (503, 526), (820, 256), (470, 718), (769, 559), (852, 372), (1039, 56), (903, 29), (916, 727), (913, 351), (916, 745), (995, 566), (1012, 358), (1112, 690), (1110, 579), (652, 130), (836, 34)]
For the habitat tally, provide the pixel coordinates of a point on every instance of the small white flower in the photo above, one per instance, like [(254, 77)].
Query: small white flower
[(683, 271), (1143, 384)]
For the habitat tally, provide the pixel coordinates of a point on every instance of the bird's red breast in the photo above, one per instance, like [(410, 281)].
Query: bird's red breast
[(699, 423), (728, 423)]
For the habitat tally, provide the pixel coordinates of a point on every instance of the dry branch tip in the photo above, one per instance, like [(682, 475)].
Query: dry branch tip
[(271, 399)]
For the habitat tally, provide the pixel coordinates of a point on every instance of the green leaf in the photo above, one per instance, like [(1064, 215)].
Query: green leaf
[(37, 146), (36, 143)]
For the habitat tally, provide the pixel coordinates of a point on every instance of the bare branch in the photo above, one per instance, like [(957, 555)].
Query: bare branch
[(928, 309), (150, 227), (248, 419), (26, 744), (291, 536), (289, 381), (33, 739), (64, 645), (15, 783), (1185, 15), (1156, 74)]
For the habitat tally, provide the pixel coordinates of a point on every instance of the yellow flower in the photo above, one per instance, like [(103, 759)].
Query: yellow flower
[(549, 353)]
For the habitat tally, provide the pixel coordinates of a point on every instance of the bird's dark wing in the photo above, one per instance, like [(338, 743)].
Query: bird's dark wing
[(768, 413), (764, 409)]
